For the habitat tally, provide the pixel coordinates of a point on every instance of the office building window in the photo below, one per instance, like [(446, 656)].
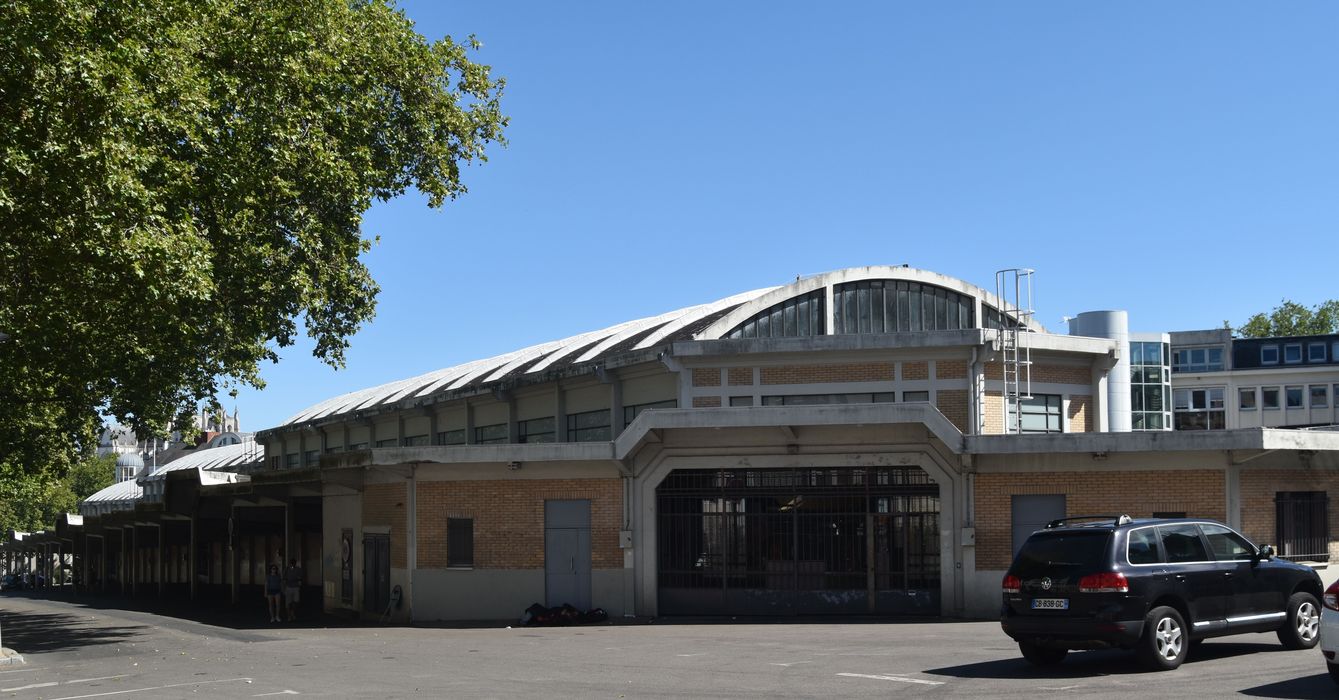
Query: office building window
[(358, 446), (1195, 359), (1246, 399), (1293, 396), (490, 434), (460, 543), (1199, 409), (415, 440), (1269, 397), (291, 460), (915, 396), (591, 426), (1269, 354), (388, 442), (1150, 382), (312, 457), (741, 400), (630, 413), (535, 430), (1315, 352), (1292, 353), (1318, 396), (1041, 414), (820, 399), (451, 437)]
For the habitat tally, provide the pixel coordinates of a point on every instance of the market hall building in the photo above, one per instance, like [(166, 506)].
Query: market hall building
[(868, 441), (848, 443)]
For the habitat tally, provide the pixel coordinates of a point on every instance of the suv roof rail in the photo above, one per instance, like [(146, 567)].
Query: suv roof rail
[(1117, 519)]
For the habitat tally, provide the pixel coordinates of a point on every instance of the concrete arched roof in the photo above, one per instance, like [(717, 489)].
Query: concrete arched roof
[(224, 458), (121, 493), (709, 321)]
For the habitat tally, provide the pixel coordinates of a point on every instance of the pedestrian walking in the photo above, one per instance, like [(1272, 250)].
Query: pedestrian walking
[(273, 589), (292, 588)]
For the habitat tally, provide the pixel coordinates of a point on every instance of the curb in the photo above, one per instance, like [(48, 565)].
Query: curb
[(9, 657)]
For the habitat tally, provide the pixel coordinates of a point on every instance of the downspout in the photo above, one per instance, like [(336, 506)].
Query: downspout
[(412, 529)]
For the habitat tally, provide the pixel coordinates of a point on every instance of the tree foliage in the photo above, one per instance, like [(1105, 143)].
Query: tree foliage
[(1291, 318), (31, 500), (182, 180)]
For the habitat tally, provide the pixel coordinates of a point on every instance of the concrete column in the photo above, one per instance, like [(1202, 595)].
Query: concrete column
[(469, 423), (411, 516), (615, 407), (233, 537), (161, 554), (560, 413), (193, 558), (134, 561), (102, 560)]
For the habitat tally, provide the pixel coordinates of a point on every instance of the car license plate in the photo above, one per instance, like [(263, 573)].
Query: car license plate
[(1050, 603)]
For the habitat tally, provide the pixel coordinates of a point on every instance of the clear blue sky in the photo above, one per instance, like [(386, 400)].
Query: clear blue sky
[(1177, 160)]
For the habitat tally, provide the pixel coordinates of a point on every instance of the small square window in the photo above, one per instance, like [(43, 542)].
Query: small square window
[(1246, 399), (1319, 399), (1293, 395), (741, 400), (1269, 354), (1315, 352), (1269, 397), (915, 396), (1292, 353)]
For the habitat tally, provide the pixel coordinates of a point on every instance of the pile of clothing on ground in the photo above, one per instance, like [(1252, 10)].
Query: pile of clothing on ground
[(539, 616)]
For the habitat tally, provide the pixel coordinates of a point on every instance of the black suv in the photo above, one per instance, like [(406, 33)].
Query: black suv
[(1157, 586)]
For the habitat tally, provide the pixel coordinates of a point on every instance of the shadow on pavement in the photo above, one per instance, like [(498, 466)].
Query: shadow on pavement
[(247, 615), (1106, 662), (1317, 686), (34, 633)]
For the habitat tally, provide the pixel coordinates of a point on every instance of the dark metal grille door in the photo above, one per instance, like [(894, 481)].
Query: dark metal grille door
[(820, 540), (376, 572), (1303, 525)]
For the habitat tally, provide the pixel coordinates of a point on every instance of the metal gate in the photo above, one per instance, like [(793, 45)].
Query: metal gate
[(798, 541), (1302, 525)]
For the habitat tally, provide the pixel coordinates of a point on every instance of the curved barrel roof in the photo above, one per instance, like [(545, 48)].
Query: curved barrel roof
[(235, 457), (709, 321)]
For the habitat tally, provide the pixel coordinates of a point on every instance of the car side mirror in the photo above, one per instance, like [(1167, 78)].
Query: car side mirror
[(1265, 552)]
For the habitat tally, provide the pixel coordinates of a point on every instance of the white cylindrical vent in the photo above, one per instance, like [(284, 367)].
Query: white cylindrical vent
[(1112, 325)]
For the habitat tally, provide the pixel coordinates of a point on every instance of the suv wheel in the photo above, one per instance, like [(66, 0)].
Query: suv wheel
[(1165, 643), (1302, 628), (1042, 656)]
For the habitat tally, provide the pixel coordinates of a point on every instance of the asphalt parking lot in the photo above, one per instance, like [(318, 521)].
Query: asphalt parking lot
[(76, 651)]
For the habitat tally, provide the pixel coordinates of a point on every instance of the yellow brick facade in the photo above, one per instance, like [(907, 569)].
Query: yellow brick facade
[(706, 376), (1197, 493), (1080, 414), (509, 519), (740, 376), (953, 404), (706, 402), (912, 371), (1260, 486), (950, 369), (830, 373)]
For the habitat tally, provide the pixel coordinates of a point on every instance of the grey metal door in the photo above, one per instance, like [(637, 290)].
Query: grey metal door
[(567, 553), (376, 572), (1031, 513)]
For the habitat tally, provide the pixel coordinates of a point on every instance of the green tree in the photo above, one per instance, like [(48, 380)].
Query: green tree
[(182, 180), (31, 499), (1291, 318)]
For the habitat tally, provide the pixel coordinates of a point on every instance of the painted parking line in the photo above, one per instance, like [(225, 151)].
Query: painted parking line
[(282, 692), (52, 684), (157, 687), (890, 677)]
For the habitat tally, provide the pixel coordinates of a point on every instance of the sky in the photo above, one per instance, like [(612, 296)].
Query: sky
[(1175, 160)]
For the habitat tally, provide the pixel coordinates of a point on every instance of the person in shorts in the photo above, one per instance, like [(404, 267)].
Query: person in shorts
[(292, 588), (273, 589)]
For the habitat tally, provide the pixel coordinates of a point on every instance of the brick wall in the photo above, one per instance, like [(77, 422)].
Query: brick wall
[(706, 376), (384, 504), (951, 369), (740, 376), (509, 519), (1258, 488), (706, 402), (822, 374), (994, 410), (953, 404), (1061, 374), (1080, 413), (915, 370), (1199, 493)]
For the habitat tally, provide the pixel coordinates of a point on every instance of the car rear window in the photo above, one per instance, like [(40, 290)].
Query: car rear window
[(1046, 553)]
